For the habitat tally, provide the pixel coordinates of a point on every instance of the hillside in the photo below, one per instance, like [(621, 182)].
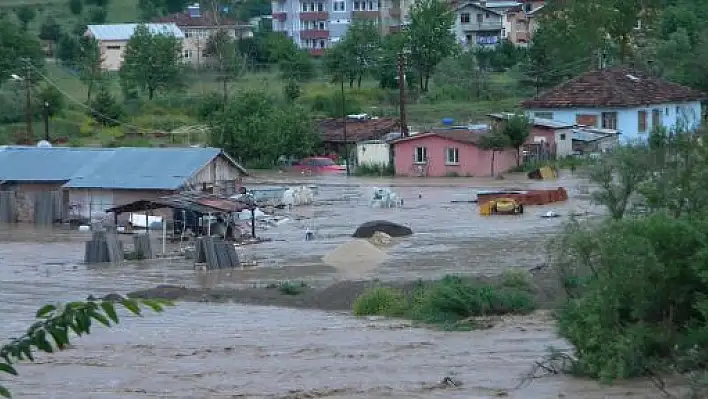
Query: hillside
[(118, 10)]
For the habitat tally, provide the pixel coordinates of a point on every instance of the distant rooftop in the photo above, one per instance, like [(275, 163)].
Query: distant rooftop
[(123, 32), (110, 168), (551, 124)]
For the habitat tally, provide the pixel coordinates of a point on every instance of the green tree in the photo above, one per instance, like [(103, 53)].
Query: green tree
[(517, 129), (89, 64), (255, 127), (152, 62), (430, 37), (16, 45), (97, 15), (25, 15), (338, 64), (459, 77), (386, 67), (494, 142), (53, 99), (230, 64), (68, 49), (291, 91), (278, 47), (56, 323), (360, 47), (104, 108), (99, 3), (297, 66), (50, 30), (76, 6)]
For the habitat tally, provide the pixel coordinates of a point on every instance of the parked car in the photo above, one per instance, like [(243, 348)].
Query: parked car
[(318, 165)]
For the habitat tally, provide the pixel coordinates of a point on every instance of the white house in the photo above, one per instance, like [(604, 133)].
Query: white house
[(476, 25), (622, 99)]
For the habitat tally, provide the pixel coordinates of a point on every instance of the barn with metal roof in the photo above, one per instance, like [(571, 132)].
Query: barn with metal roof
[(91, 180)]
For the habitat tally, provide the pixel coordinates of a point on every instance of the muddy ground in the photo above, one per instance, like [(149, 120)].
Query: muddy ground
[(339, 296)]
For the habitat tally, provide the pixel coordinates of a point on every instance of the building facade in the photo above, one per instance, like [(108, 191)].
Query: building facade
[(629, 101), (198, 27), (316, 25), (476, 25), (87, 181), (112, 40), (523, 21)]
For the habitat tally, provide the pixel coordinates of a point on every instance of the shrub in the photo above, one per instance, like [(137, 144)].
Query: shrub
[(374, 170), (290, 288), (637, 290), (516, 278), (380, 301)]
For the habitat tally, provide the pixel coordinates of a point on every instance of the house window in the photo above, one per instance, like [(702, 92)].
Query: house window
[(487, 15), (113, 47), (339, 6), (205, 53), (465, 18), (303, 7), (642, 121), (321, 25), (609, 120), (187, 54), (452, 156), (420, 155), (480, 18), (543, 115), (562, 136), (656, 118), (356, 6), (528, 7), (320, 7)]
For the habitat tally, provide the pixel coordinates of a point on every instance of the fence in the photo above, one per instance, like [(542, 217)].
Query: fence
[(44, 207)]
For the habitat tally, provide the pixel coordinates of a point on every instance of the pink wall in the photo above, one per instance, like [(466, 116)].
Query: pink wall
[(472, 160)]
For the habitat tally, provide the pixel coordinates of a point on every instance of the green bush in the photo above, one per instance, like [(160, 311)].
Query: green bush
[(380, 301), (637, 293), (290, 288), (446, 302), (374, 170)]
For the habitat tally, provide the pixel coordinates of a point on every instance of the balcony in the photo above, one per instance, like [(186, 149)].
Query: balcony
[(365, 15), (317, 52), (314, 16), (280, 16), (314, 34), (481, 26)]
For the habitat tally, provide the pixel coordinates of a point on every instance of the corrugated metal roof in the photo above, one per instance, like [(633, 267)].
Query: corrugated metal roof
[(549, 123), (125, 31), (111, 168)]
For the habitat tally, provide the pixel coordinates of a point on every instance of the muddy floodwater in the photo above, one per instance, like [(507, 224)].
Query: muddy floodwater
[(200, 350)]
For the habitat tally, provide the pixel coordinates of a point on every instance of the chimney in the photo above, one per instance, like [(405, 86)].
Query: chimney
[(193, 11)]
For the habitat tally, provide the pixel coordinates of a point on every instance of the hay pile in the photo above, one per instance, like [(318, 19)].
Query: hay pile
[(355, 257)]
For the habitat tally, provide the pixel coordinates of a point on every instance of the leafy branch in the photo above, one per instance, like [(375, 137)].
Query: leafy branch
[(57, 322)]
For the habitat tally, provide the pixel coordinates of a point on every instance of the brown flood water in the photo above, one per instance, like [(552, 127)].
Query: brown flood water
[(198, 350)]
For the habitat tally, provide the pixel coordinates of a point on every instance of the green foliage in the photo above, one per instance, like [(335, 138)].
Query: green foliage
[(297, 66), (88, 62), (328, 103), (256, 126), (291, 91), (16, 44), (501, 57), (355, 56), (97, 15), (230, 64), (50, 30), (25, 15), (374, 170), (380, 301), (430, 36), (76, 6), (50, 100), (104, 108), (290, 288), (494, 142), (152, 62), (516, 129), (56, 323), (448, 302)]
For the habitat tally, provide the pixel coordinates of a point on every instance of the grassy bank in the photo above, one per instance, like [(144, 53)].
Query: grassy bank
[(452, 303)]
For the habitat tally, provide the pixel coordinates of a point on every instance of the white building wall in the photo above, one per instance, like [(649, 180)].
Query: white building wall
[(674, 116), (373, 153)]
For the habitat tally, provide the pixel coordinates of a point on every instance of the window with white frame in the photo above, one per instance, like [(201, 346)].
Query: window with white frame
[(420, 155), (357, 6), (465, 18), (320, 7), (322, 25), (187, 54), (452, 156), (339, 6)]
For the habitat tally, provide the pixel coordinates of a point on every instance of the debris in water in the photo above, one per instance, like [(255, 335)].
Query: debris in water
[(550, 214), (355, 257), (380, 238)]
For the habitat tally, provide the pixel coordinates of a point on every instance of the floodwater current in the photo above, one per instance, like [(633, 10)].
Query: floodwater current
[(199, 350)]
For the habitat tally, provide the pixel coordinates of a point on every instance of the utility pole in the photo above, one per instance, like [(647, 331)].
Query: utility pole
[(402, 94), (344, 119), (46, 121), (28, 104)]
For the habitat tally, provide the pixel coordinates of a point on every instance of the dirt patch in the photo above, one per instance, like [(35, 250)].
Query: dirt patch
[(336, 297)]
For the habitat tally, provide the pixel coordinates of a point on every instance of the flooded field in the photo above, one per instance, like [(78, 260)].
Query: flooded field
[(198, 350)]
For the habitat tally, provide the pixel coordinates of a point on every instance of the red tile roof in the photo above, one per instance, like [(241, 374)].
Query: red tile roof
[(357, 130), (459, 135), (613, 87), (205, 19)]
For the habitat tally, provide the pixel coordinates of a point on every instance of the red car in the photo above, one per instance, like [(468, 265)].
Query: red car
[(318, 165)]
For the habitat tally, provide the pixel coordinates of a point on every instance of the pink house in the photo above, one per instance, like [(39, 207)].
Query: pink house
[(450, 152)]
